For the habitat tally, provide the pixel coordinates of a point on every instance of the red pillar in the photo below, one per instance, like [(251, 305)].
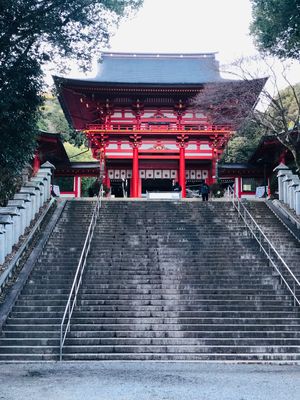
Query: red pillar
[(107, 181), (36, 163), (135, 172), (182, 169), (77, 186), (282, 157), (240, 187)]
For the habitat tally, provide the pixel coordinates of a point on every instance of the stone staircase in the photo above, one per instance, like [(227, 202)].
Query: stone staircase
[(163, 281), (32, 330), (179, 281), (283, 240)]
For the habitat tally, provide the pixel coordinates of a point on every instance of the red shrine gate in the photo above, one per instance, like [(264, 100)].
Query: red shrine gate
[(140, 123), (143, 151)]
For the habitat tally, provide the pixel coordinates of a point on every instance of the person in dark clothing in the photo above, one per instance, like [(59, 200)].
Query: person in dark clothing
[(176, 187), (204, 191)]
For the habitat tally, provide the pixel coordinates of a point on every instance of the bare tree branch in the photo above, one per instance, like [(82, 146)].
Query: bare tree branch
[(248, 98)]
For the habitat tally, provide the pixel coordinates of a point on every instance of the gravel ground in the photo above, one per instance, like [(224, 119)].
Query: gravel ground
[(143, 381)]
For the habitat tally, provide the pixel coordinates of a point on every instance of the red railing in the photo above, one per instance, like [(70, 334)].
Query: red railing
[(172, 127)]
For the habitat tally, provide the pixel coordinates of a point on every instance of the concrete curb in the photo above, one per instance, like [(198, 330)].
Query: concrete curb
[(14, 263), (284, 219)]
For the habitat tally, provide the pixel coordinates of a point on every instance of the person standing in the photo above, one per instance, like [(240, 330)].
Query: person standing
[(204, 191)]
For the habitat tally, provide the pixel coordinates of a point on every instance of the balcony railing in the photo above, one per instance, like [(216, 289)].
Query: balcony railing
[(159, 126)]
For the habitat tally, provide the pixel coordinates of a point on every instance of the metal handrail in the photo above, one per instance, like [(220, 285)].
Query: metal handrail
[(265, 244), (71, 303)]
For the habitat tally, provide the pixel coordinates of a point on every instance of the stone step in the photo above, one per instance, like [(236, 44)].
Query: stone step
[(224, 320), (159, 274), (165, 341), (295, 349), (147, 284), (96, 289), (207, 335), (290, 358), (204, 302), (167, 271), (238, 287), (136, 313), (13, 343), (152, 349), (268, 326), (112, 295), (237, 299), (166, 282), (204, 357), (192, 266), (227, 306)]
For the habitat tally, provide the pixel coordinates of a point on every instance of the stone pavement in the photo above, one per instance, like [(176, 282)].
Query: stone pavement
[(148, 380)]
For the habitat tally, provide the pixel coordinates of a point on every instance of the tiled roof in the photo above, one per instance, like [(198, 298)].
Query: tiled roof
[(158, 68)]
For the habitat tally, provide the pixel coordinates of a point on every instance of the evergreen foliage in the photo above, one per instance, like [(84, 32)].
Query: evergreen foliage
[(81, 153), (86, 183), (276, 27), (51, 29), (290, 100), (243, 143), (19, 101), (33, 32), (52, 119)]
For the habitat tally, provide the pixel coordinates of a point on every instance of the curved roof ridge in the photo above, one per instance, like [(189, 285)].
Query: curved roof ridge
[(157, 55)]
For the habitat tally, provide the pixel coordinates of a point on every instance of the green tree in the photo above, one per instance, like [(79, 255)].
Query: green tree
[(243, 143), (46, 29), (81, 153), (33, 32), (276, 27), (19, 101), (52, 119), (86, 183), (289, 99)]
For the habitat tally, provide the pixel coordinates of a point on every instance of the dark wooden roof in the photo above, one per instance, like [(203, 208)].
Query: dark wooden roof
[(153, 68), (51, 148)]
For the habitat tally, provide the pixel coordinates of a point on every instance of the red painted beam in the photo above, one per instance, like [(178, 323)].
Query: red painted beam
[(160, 157)]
